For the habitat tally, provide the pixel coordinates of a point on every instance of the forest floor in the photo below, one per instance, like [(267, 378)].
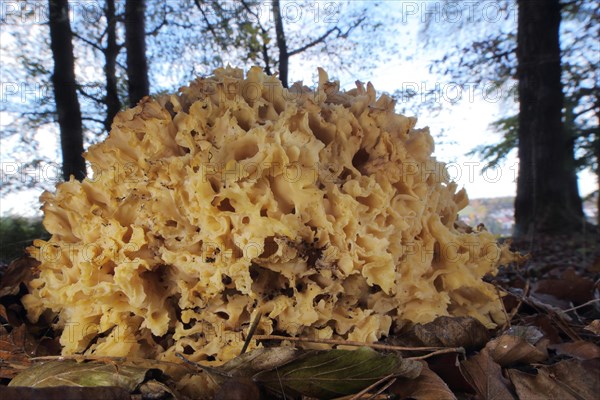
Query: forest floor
[(549, 348)]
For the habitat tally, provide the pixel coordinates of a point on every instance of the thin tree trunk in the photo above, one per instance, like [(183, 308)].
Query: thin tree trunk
[(65, 90), (281, 44), (598, 179), (547, 196), (113, 104), (135, 42), (597, 151)]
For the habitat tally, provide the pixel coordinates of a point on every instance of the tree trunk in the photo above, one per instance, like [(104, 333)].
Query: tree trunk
[(135, 42), (547, 195), (281, 44), (113, 104), (65, 90)]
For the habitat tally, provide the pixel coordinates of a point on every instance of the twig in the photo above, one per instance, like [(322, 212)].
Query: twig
[(251, 332), (508, 319), (442, 351), (383, 388), (104, 359), (346, 343), (582, 305), (516, 309), (373, 386)]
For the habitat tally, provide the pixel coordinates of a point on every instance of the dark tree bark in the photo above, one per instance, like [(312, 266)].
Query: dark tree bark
[(65, 90), (113, 104), (281, 44), (135, 42), (547, 195)]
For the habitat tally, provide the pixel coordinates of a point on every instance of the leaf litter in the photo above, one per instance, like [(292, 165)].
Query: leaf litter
[(548, 349)]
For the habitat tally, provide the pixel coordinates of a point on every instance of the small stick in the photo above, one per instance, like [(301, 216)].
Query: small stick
[(442, 351), (582, 305), (104, 359), (358, 395), (251, 332), (190, 362), (520, 303), (346, 343), (383, 388)]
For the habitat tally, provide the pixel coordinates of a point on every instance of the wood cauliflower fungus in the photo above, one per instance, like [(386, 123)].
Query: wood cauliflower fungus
[(322, 209)]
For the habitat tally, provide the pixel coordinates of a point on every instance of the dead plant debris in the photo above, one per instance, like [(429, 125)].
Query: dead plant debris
[(550, 348)]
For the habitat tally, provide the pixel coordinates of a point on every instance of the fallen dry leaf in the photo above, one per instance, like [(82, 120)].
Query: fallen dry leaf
[(580, 349), (445, 331), (20, 270), (546, 325), (447, 367), (570, 287), (3, 314), (13, 356), (238, 389), (550, 303), (428, 386), (61, 393), (154, 389), (486, 377), (530, 334), (509, 350), (594, 327), (566, 380)]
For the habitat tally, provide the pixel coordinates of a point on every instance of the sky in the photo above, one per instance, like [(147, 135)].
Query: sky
[(464, 124), (464, 121)]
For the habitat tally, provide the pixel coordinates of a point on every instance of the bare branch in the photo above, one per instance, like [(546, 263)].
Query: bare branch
[(119, 63), (206, 21), (154, 31), (89, 96), (314, 42), (89, 42), (100, 121), (323, 37), (265, 33)]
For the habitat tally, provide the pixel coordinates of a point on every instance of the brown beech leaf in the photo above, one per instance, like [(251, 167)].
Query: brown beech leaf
[(508, 350), (71, 373), (486, 377), (3, 314), (154, 389), (570, 287), (566, 380), (530, 334), (238, 388), (428, 386), (546, 325), (20, 270), (447, 367), (445, 331), (13, 357), (580, 349)]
